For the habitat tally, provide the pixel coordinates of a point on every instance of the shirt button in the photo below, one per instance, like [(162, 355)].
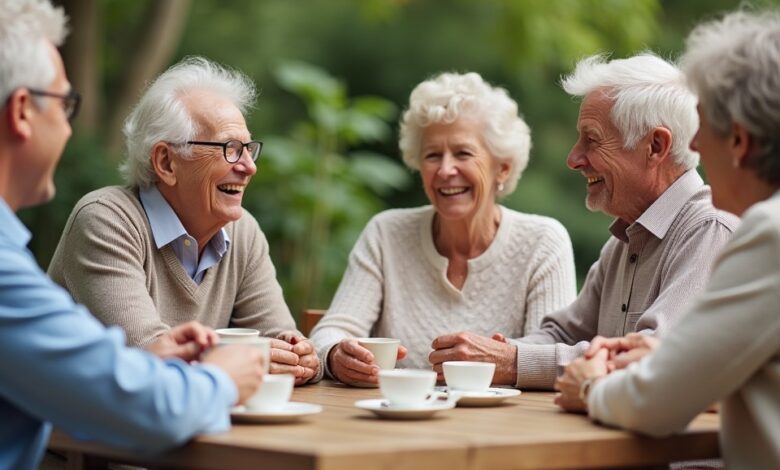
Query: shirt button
[(187, 243), (623, 308), (633, 258)]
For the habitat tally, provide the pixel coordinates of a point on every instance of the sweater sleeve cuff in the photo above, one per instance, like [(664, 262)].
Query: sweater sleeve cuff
[(536, 365), (324, 353)]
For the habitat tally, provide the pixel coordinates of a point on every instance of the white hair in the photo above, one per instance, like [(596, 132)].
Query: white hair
[(647, 92), (733, 64), (161, 115), (26, 28), (449, 96)]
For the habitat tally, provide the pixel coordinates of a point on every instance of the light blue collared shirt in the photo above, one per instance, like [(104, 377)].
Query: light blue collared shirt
[(167, 229), (61, 366)]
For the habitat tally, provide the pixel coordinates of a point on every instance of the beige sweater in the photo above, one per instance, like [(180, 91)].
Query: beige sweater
[(108, 261), (726, 348), (396, 283)]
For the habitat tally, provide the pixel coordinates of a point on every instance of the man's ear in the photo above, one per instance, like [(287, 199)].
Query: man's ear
[(660, 146), (19, 111), (163, 163), (741, 145)]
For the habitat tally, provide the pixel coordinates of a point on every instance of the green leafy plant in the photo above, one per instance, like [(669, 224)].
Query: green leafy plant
[(317, 187)]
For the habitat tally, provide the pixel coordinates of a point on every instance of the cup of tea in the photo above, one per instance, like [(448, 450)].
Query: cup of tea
[(237, 335), (272, 394), (467, 376), (407, 387), (385, 351)]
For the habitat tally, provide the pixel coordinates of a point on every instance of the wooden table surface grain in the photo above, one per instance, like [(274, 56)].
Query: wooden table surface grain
[(528, 431)]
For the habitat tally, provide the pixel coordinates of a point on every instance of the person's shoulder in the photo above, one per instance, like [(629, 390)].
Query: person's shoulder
[(401, 219), (115, 199), (764, 216), (699, 210), (534, 225)]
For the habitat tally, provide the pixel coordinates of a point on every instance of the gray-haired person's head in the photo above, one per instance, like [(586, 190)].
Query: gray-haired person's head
[(646, 92), (161, 116), (733, 65), (26, 29), (449, 96)]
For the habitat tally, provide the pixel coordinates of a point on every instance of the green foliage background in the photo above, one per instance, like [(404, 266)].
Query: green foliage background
[(334, 76)]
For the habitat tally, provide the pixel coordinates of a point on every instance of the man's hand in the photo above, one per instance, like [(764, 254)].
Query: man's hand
[(243, 363), (307, 357), (575, 374), (466, 346), (186, 341)]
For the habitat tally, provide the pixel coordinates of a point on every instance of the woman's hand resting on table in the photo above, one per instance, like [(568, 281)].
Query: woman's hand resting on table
[(351, 363)]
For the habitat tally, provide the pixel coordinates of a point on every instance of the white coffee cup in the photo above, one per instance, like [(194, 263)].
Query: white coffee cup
[(273, 394), (385, 351), (407, 387), (265, 346), (237, 335), (468, 376)]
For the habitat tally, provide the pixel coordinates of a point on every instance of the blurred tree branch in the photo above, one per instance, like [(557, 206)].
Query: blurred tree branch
[(80, 54), (152, 49)]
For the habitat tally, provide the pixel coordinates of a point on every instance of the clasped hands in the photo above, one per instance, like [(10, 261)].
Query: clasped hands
[(602, 357), (353, 364)]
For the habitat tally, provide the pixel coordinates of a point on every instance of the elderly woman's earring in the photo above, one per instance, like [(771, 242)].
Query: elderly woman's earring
[(500, 187)]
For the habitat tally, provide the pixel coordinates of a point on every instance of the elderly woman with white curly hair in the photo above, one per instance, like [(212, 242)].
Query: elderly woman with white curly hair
[(451, 275), (727, 347)]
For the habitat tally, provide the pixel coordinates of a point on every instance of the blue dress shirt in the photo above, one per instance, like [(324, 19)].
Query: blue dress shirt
[(59, 365), (167, 228)]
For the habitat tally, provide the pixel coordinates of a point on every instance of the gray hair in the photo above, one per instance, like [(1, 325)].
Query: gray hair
[(161, 115), (733, 65), (647, 92), (448, 96), (26, 26)]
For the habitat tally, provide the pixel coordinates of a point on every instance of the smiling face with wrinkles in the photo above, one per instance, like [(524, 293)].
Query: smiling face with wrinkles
[(205, 190), (459, 173), (616, 178)]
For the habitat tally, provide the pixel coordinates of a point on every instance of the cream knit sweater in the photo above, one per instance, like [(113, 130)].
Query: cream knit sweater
[(396, 283)]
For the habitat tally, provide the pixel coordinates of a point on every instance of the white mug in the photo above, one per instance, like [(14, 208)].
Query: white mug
[(237, 335), (465, 376), (273, 394), (265, 347), (408, 387), (385, 351)]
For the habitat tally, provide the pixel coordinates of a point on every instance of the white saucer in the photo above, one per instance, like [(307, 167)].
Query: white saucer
[(490, 397), (383, 409), (292, 411)]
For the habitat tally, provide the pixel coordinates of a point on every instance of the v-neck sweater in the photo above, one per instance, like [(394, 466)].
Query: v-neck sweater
[(396, 283), (108, 260)]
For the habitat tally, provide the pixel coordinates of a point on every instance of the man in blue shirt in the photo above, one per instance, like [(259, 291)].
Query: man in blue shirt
[(58, 365)]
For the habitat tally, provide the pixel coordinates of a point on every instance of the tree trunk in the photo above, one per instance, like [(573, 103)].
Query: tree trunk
[(80, 54), (156, 43)]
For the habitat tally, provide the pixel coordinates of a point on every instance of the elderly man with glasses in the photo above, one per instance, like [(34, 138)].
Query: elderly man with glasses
[(174, 244)]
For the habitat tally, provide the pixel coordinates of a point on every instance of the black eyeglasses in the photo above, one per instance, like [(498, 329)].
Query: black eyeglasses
[(71, 101), (233, 149)]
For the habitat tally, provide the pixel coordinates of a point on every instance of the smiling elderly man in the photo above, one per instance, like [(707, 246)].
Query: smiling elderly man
[(635, 122), (175, 245)]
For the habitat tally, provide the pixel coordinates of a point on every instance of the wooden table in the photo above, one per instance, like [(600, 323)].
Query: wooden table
[(527, 432)]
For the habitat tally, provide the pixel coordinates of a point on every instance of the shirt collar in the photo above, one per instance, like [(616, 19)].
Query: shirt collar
[(166, 226), (11, 227), (661, 214)]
